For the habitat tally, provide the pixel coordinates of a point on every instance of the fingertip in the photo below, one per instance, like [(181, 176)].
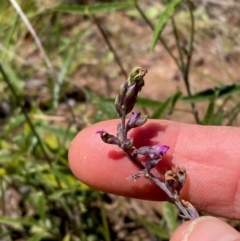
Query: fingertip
[(205, 228), (106, 167)]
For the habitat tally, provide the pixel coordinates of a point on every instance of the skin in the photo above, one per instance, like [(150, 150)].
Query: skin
[(209, 154)]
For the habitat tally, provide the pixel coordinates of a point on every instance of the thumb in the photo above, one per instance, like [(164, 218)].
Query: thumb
[(205, 228)]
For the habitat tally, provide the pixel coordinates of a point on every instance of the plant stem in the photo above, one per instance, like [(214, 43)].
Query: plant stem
[(183, 68), (163, 42), (123, 123), (110, 46), (174, 198), (189, 54), (162, 186)]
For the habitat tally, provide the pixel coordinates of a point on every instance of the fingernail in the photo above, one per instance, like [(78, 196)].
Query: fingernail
[(206, 228)]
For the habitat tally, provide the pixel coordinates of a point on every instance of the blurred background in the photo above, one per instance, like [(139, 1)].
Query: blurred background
[(61, 64)]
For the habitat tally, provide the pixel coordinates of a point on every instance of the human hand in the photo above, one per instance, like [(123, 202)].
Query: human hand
[(209, 154)]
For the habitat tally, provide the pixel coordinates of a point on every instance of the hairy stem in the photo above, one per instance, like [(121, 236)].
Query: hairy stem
[(175, 198)]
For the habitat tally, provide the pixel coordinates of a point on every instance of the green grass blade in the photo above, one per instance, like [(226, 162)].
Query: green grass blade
[(170, 215), (62, 75), (58, 131), (12, 75), (168, 105), (154, 228), (18, 221), (148, 103), (36, 237), (175, 98), (142, 102), (95, 8), (163, 19), (209, 117), (218, 118), (12, 124), (105, 106), (206, 95), (41, 204)]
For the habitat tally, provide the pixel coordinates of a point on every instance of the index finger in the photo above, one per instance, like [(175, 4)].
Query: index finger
[(208, 153)]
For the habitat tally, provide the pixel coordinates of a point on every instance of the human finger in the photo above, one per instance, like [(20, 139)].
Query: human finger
[(205, 228), (209, 154)]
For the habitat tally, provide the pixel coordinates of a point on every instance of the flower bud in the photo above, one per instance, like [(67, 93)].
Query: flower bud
[(108, 138), (127, 145), (157, 150), (136, 120), (128, 91)]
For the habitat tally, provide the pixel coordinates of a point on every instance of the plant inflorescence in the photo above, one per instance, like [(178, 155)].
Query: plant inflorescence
[(174, 179)]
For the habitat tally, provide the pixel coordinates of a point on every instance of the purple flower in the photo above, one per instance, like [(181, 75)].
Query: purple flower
[(136, 120), (101, 132), (160, 149), (152, 151), (133, 118)]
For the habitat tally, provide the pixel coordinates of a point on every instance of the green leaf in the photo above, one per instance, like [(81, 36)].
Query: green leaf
[(106, 108), (18, 222), (163, 19), (154, 228), (175, 98), (218, 118), (170, 215), (95, 8), (58, 131), (13, 123), (36, 237), (151, 13), (209, 116), (148, 103), (2, 172), (142, 102), (61, 77), (206, 95), (67, 237), (168, 105), (14, 79), (40, 204)]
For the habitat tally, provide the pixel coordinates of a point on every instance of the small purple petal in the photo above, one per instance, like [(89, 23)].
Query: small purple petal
[(134, 116), (161, 149), (100, 132)]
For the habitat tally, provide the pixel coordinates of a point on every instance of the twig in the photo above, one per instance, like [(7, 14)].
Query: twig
[(176, 200), (175, 32), (162, 186), (188, 62), (110, 46)]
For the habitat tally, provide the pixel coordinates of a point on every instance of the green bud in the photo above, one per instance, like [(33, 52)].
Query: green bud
[(129, 90), (136, 76)]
